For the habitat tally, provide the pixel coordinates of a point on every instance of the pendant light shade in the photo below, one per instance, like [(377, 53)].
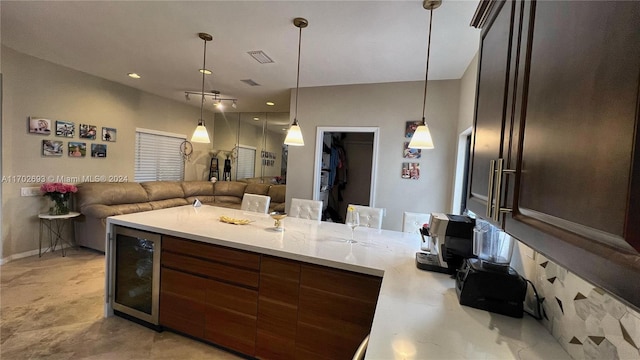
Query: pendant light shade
[(294, 135), (200, 135), (421, 138)]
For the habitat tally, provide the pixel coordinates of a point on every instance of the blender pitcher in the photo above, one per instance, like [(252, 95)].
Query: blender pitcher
[(491, 244)]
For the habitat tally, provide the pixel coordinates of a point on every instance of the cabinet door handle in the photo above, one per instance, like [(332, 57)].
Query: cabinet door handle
[(492, 172), (500, 171)]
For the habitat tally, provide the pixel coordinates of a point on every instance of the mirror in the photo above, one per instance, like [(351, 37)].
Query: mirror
[(250, 146)]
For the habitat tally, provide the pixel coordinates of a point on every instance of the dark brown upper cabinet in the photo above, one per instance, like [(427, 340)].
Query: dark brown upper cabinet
[(566, 175)]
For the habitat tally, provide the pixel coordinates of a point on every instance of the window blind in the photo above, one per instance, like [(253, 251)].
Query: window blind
[(246, 162), (157, 157)]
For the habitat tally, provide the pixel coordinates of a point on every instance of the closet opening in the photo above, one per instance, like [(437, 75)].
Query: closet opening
[(345, 169)]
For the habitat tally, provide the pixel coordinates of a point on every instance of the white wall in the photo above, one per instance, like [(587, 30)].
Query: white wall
[(387, 106), (33, 87)]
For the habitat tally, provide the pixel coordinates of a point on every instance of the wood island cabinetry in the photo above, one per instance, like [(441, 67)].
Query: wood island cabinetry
[(264, 306)]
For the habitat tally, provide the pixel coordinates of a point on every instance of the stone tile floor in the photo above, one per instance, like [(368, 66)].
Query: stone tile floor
[(52, 308)]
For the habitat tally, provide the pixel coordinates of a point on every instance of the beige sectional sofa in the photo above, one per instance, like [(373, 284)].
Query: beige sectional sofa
[(97, 201)]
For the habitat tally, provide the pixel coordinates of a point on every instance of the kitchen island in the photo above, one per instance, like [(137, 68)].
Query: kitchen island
[(417, 315)]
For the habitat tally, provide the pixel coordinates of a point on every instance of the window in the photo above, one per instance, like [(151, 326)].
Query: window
[(157, 156), (246, 164)]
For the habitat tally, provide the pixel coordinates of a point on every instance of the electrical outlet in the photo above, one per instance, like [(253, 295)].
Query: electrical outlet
[(30, 191)]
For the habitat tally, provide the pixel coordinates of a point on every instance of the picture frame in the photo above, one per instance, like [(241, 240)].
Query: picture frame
[(410, 128), (410, 171), (39, 125), (52, 147), (98, 150), (87, 131), (65, 128), (109, 134), (411, 153), (77, 149)]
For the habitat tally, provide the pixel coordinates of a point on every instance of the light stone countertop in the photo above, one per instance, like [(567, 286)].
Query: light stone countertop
[(418, 315)]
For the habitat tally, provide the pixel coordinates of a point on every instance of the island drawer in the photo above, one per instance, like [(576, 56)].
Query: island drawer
[(221, 254)]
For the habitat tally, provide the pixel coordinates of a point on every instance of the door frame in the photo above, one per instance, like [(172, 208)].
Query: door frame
[(460, 172), (320, 130)]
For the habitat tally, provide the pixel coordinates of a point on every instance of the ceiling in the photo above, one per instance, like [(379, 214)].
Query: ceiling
[(346, 42)]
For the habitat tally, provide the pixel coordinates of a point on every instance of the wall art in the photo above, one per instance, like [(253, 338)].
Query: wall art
[(38, 125), (77, 149), (88, 131), (99, 150), (411, 171), (411, 153), (410, 128), (65, 128), (52, 147), (109, 134)]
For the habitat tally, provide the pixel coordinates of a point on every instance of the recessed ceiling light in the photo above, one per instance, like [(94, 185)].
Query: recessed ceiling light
[(270, 103), (256, 118), (134, 75), (205, 71)]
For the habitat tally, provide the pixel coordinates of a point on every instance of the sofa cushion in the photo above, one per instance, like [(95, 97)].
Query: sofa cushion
[(123, 209), (109, 194), (229, 192), (277, 193), (256, 188), (203, 199), (167, 203), (161, 190), (196, 188)]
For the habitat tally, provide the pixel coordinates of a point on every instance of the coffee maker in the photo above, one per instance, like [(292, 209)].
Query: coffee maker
[(445, 243), (488, 282)]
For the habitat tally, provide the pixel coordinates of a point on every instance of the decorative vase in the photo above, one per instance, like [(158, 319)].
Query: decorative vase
[(59, 203)]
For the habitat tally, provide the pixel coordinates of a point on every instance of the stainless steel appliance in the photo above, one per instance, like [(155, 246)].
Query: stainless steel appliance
[(446, 243), (488, 282), (135, 274)]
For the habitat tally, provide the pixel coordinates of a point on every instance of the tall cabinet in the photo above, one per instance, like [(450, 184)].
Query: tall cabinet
[(555, 161)]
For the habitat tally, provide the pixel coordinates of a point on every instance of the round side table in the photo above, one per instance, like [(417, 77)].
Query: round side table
[(55, 225)]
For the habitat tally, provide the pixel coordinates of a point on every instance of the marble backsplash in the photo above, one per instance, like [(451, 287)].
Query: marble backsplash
[(587, 321)]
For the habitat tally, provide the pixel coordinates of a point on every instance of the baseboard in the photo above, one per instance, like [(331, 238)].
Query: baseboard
[(18, 256)]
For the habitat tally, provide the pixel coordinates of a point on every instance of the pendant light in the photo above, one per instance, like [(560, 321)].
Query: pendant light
[(200, 135), (294, 135), (421, 138)]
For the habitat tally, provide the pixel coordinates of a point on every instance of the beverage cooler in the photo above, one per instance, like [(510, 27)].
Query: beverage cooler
[(135, 274)]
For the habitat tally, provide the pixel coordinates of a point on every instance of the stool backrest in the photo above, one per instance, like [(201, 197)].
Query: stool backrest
[(306, 209), (369, 216), (255, 203), (412, 222)]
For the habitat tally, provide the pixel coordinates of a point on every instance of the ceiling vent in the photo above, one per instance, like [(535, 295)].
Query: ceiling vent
[(250, 82), (260, 57)]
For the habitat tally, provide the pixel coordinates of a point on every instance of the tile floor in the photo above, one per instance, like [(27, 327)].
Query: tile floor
[(52, 308)]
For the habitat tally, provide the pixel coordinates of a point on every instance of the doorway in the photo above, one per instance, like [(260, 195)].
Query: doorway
[(345, 169)]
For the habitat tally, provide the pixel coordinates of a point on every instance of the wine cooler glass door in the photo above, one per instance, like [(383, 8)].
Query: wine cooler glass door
[(137, 271)]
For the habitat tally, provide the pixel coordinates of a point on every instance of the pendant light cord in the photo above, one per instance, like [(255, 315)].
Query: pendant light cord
[(295, 117), (426, 73), (204, 63)]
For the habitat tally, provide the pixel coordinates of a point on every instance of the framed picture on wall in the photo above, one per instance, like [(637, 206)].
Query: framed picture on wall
[(411, 153), (88, 131), (411, 171), (65, 128), (77, 149), (410, 128), (98, 150), (38, 125), (52, 147), (109, 134)]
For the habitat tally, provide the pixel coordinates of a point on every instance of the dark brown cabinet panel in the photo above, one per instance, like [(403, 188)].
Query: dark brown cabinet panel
[(335, 311), (493, 89), (572, 113), (182, 302), (278, 308)]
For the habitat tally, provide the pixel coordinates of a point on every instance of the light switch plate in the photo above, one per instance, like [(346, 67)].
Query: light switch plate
[(30, 191)]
